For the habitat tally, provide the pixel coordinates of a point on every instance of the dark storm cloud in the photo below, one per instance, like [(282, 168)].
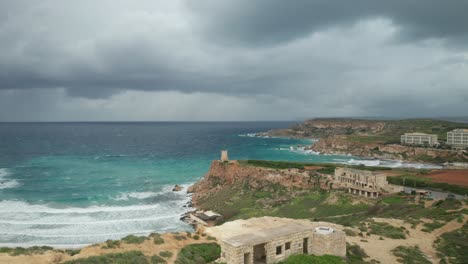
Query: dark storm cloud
[(294, 58), (274, 21)]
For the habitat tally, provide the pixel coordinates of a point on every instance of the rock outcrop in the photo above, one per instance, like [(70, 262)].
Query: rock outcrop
[(177, 188), (374, 138), (222, 174)]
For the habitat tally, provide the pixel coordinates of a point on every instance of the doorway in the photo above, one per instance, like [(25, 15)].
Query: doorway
[(260, 254), (247, 258), (305, 246)]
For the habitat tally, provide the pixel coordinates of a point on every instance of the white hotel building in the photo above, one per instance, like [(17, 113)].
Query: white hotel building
[(458, 138), (419, 139)]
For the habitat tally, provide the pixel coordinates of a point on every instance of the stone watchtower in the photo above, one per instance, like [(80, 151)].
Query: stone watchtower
[(224, 155)]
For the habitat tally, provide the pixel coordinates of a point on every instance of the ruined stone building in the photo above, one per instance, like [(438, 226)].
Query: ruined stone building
[(361, 182), (272, 245)]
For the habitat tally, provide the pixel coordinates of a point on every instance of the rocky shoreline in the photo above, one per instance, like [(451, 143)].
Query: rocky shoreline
[(365, 138)]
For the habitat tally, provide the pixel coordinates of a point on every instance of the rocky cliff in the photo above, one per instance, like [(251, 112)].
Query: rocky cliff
[(376, 138), (317, 128), (232, 173)]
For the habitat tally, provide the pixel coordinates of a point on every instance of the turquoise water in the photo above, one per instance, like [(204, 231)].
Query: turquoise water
[(73, 184)]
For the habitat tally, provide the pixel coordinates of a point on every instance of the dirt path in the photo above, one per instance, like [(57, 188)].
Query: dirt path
[(148, 248), (381, 249)]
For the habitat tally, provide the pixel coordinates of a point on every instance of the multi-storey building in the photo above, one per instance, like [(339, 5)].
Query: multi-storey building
[(458, 138), (419, 139)]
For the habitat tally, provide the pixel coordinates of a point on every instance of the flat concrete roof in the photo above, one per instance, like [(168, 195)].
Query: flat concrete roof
[(266, 235)]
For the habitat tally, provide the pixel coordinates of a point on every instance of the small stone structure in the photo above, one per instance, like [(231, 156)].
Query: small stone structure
[(224, 155), (361, 182), (265, 245)]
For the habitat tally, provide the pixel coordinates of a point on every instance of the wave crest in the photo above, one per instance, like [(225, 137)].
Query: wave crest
[(7, 183)]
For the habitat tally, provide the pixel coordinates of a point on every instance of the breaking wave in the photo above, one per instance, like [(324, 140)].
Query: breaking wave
[(25, 224), (166, 191), (6, 183), (388, 163)]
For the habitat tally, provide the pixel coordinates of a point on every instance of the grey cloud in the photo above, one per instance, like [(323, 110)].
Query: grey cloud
[(294, 58), (275, 21)]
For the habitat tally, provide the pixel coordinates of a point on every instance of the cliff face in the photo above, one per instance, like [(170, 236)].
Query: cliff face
[(318, 128), (358, 125), (228, 174), (340, 145)]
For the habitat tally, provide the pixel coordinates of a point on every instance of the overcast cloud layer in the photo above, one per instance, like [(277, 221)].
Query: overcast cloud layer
[(231, 60)]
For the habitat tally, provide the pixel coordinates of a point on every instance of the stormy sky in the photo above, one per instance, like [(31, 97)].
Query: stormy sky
[(94, 60)]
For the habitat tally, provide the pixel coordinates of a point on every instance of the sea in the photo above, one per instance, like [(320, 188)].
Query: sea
[(68, 185)]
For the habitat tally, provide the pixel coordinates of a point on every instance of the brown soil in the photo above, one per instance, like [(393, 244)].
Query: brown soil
[(457, 177), (148, 248), (381, 249), (313, 168)]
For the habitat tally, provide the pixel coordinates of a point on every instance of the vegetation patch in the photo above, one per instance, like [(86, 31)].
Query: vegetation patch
[(393, 200), (355, 254), (350, 232), (199, 253), (410, 255), (157, 239), (157, 260), (132, 239), (429, 227), (386, 230), (25, 251), (180, 237), (451, 247), (72, 252), (129, 257), (310, 259), (165, 254), (111, 244)]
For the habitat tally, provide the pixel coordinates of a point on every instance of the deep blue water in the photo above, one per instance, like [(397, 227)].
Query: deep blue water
[(71, 184)]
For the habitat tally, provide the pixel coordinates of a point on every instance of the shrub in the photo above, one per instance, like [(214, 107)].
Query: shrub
[(132, 239), (157, 260), (410, 255), (309, 259), (129, 257), (25, 251), (157, 239), (355, 253), (199, 253), (386, 230), (165, 254), (111, 244), (452, 246), (73, 252), (350, 232), (180, 237)]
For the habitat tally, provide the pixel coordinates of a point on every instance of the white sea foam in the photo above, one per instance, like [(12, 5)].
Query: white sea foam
[(301, 150), (248, 135), (25, 224), (364, 162), (5, 182), (135, 195), (388, 163)]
